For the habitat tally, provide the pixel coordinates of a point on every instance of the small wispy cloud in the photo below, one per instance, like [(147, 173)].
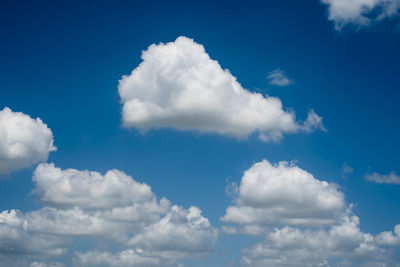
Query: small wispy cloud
[(278, 77), (346, 170), (360, 13), (313, 122), (391, 178)]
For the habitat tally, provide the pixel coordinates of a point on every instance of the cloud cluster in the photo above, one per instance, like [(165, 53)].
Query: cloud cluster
[(360, 12), (305, 221), (278, 77), (112, 207), (23, 141), (343, 244), (178, 85)]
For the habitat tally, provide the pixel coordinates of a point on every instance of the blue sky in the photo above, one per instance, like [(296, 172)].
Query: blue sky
[(62, 62)]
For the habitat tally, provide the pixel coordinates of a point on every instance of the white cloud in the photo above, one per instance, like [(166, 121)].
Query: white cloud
[(178, 85), (390, 238), (313, 122), (392, 178), (283, 193), (23, 141), (306, 222), (278, 77), (113, 208), (360, 12), (341, 243), (87, 189), (179, 232), (16, 241)]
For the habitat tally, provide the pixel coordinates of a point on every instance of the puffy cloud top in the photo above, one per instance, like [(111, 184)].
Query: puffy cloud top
[(87, 189), (284, 193), (178, 85), (23, 141)]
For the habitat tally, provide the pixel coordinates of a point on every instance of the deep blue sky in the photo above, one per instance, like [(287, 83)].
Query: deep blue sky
[(61, 61)]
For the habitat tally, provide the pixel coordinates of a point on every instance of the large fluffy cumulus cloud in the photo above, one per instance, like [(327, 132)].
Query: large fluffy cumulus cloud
[(360, 12), (178, 85), (283, 193), (113, 208), (23, 141), (304, 221)]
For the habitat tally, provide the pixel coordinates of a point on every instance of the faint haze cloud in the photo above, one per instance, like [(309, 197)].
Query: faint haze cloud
[(279, 78), (346, 170), (391, 178), (397, 28)]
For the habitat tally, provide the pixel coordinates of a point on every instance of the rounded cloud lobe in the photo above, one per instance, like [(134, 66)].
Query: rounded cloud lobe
[(178, 85), (23, 141), (305, 221), (113, 208), (87, 189), (283, 193)]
